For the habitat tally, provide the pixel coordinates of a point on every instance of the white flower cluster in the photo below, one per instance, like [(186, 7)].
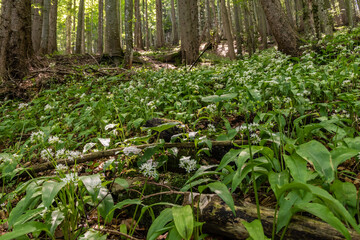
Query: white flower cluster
[(54, 140), (47, 154), (211, 108), (255, 139), (148, 169), (61, 168), (110, 126), (187, 163), (48, 107), (131, 150), (70, 178), (211, 128), (23, 105), (37, 137)]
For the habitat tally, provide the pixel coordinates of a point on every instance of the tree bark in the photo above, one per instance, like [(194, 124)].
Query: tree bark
[(147, 38), (113, 47), (128, 34), (15, 40), (160, 41), (220, 220), (284, 34), (227, 29), (80, 28), (68, 26), (100, 43), (45, 28), (138, 32), (36, 24), (262, 25), (349, 12), (174, 28), (343, 11), (189, 30), (52, 42), (238, 28)]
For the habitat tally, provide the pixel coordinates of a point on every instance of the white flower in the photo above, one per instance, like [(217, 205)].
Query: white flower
[(211, 108), (131, 150), (110, 126), (37, 136), (72, 155), (23, 105), (88, 109), (105, 141), (192, 135), (255, 139), (211, 128), (187, 163), (48, 107), (174, 150), (148, 169), (54, 140), (61, 167), (46, 154), (60, 153), (70, 177)]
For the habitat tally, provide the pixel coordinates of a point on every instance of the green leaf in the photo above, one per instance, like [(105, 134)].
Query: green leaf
[(223, 192), (229, 157), (255, 229), (92, 184), (25, 228), (162, 127), (121, 204), (174, 235), (216, 98), (122, 182), (341, 154), (50, 190), (106, 204), (316, 154), (56, 219), (297, 167), (93, 235), (29, 215), (277, 180), (326, 215), (184, 221), (159, 223), (353, 143), (345, 192)]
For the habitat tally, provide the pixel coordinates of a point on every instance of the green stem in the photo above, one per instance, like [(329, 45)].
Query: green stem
[(137, 206)]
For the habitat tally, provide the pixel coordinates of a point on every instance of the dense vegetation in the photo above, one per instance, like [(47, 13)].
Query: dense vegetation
[(298, 119)]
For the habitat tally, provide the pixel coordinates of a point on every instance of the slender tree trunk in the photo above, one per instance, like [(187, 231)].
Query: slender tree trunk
[(100, 40), (289, 12), (36, 25), (80, 28), (216, 21), (45, 28), (344, 17), (68, 26), (349, 12), (138, 33), (189, 33), (238, 28), (128, 34), (174, 29), (88, 34), (208, 20), (299, 16), (52, 43), (160, 41), (281, 29), (147, 39), (308, 16), (227, 29), (15, 41), (113, 30), (262, 24)]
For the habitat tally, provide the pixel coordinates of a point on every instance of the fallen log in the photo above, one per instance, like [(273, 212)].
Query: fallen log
[(219, 220)]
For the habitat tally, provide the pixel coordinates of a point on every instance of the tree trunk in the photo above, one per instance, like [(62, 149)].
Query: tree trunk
[(262, 25), (80, 28), (138, 33), (15, 40), (227, 29), (45, 28), (284, 34), (238, 28), (88, 34), (289, 12), (100, 39), (349, 13), (189, 33), (248, 28), (160, 41), (174, 28), (36, 24), (68, 26), (128, 34), (299, 16), (52, 43), (112, 30), (147, 39)]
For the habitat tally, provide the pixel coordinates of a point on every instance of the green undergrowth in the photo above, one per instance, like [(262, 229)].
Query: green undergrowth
[(298, 117)]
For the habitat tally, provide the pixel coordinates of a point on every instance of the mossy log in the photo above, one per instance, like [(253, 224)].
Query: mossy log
[(219, 220)]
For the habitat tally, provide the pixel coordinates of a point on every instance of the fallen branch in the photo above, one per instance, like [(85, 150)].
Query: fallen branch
[(221, 221), (116, 151)]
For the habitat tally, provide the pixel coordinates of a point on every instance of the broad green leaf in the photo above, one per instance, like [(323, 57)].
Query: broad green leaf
[(202, 171), (216, 98), (121, 204), (162, 127), (229, 157), (29, 215), (277, 180), (122, 182), (25, 228), (345, 192), (297, 167), (88, 146), (184, 221), (341, 154), (285, 214), (92, 184), (174, 235), (106, 204), (93, 235), (159, 223), (56, 219), (195, 183), (353, 143), (255, 229), (323, 212), (316, 154), (50, 190), (223, 192)]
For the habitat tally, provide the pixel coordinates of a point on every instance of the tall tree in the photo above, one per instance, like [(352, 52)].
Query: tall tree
[(189, 33), (262, 24), (147, 38), (45, 27), (52, 42), (128, 34), (100, 28), (160, 40), (68, 26), (36, 24), (227, 29), (15, 40), (80, 28), (174, 28), (112, 38), (138, 32), (238, 27), (285, 36)]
